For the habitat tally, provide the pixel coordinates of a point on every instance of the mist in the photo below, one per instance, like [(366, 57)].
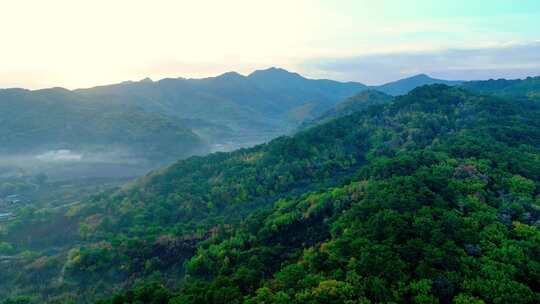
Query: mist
[(60, 164)]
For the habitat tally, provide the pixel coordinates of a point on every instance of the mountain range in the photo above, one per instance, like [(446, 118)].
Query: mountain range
[(157, 122), (174, 118), (252, 106), (428, 197), (231, 107)]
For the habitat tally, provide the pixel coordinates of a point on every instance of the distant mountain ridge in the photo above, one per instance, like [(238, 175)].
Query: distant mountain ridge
[(257, 103), (405, 85), (227, 111), (164, 120)]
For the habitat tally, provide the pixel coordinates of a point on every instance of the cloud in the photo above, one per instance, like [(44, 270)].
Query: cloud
[(507, 61)]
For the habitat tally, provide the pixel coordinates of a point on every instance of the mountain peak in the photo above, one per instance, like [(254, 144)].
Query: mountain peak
[(54, 90), (421, 76), (275, 72), (405, 85), (231, 75), (272, 70)]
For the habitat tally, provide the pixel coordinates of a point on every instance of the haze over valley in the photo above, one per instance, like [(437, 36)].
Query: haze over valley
[(140, 125)]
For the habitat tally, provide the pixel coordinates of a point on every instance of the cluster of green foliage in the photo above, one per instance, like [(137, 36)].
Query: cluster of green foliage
[(433, 198), (35, 237), (436, 233), (526, 89)]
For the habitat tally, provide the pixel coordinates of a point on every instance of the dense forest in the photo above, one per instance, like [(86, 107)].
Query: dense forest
[(430, 198), (524, 89)]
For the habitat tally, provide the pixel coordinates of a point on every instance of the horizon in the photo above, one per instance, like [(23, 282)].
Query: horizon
[(73, 45), (256, 70)]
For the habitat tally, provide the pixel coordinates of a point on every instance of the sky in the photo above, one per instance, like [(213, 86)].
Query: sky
[(75, 43)]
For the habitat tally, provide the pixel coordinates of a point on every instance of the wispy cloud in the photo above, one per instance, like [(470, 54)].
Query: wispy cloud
[(506, 61)]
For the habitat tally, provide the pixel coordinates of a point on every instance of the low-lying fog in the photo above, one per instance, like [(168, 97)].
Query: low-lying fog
[(59, 156), (67, 164)]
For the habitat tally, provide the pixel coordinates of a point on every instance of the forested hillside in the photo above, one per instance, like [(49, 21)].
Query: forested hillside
[(524, 89), (356, 103), (432, 198)]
